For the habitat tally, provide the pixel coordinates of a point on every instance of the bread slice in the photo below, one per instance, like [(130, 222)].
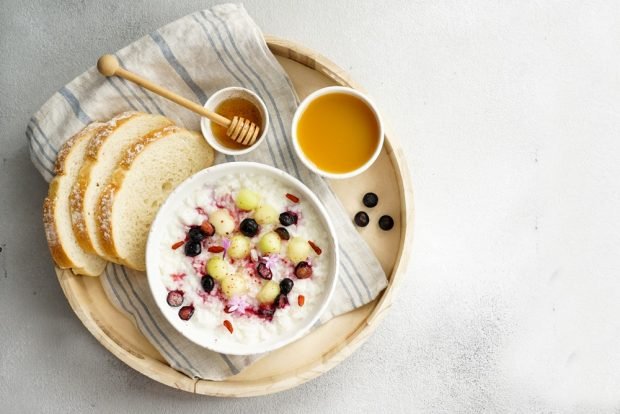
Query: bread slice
[(148, 171), (61, 240), (103, 153)]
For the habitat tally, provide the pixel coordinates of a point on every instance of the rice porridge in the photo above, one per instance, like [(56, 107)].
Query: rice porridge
[(244, 260)]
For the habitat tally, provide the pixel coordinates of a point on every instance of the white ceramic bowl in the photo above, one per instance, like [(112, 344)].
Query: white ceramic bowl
[(302, 107), (222, 95), (178, 195)]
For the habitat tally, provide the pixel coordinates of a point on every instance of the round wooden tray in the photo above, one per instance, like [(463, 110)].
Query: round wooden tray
[(328, 345)]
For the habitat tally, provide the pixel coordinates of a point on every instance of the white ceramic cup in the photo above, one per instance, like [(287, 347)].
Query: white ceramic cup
[(298, 114), (228, 93)]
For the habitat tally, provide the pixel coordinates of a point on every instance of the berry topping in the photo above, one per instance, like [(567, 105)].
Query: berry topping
[(215, 249), (195, 234), (228, 325), (301, 300), (192, 248), (186, 312), (293, 198), (207, 228), (283, 233), (249, 227), (281, 301), (316, 248), (175, 298), (266, 311), (177, 245), (263, 271), (286, 285), (361, 219), (370, 200), (287, 218), (386, 223), (303, 270), (207, 283)]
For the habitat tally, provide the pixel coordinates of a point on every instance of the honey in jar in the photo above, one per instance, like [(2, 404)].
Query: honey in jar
[(235, 107)]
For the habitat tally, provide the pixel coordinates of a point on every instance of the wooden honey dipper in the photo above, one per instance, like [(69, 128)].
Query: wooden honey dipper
[(238, 129)]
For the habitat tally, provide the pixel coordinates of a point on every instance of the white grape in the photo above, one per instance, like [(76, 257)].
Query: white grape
[(298, 249), (247, 199), (269, 292), (217, 268), (265, 214), (239, 247), (269, 243), (234, 285), (222, 222)]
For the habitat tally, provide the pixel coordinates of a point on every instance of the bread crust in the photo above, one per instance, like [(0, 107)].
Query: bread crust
[(58, 252), (103, 214)]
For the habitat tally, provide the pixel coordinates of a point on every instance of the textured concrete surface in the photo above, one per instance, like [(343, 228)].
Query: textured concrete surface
[(509, 115)]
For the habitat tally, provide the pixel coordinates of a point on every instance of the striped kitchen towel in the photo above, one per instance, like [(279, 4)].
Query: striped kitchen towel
[(195, 56)]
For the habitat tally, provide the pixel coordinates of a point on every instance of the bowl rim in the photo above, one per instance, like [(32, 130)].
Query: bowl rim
[(153, 277), (205, 123), (304, 105)]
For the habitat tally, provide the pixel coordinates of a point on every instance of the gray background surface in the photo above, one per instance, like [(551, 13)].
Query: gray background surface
[(508, 112)]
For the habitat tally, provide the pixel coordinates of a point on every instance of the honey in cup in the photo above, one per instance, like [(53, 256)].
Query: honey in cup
[(235, 107), (338, 132)]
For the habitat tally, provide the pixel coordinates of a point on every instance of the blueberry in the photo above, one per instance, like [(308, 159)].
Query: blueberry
[(286, 285), (361, 219), (370, 200), (283, 233), (192, 248), (249, 227), (386, 222), (286, 218), (195, 234), (207, 283)]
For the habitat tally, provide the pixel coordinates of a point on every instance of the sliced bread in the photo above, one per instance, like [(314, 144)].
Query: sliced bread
[(103, 153), (61, 240), (148, 171)]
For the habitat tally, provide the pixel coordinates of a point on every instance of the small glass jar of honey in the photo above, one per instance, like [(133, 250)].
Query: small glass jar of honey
[(230, 102), (337, 132)]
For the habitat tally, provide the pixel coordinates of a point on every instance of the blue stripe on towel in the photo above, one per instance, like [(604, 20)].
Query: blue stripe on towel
[(359, 276), (285, 137), (33, 138), (121, 94), (145, 92), (346, 289), (48, 173), (177, 66), (137, 315), (146, 311), (123, 82), (75, 105), (231, 366)]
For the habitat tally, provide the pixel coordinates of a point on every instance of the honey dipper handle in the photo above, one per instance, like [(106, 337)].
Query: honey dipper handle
[(108, 66)]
